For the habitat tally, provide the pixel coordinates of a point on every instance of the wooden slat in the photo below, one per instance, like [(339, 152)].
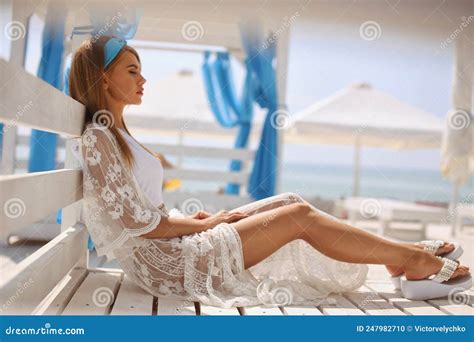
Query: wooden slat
[(450, 308), (62, 294), (39, 273), (28, 198), (176, 150), (203, 151), (95, 296), (337, 305), (24, 140), (385, 289), (261, 311), (301, 310), (204, 175), (207, 310), (371, 303), (30, 101), (132, 300), (224, 33), (168, 306), (208, 200)]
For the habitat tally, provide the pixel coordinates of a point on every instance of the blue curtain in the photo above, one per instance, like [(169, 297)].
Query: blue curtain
[(43, 144), (261, 54), (228, 111), (259, 87), (1, 140)]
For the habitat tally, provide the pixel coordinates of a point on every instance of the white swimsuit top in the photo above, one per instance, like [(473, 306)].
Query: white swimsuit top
[(147, 170)]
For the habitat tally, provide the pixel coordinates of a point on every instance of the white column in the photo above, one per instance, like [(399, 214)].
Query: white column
[(281, 79), (457, 157), (19, 23)]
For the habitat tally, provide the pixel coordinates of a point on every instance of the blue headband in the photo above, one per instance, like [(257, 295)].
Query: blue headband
[(112, 48)]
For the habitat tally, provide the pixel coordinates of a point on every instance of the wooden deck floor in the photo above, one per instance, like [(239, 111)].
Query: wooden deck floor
[(106, 290), (111, 292)]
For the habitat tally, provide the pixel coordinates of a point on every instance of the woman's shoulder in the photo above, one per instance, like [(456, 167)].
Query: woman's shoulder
[(94, 133)]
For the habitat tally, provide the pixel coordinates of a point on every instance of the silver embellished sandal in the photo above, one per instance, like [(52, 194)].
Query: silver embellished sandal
[(432, 246), (436, 285)]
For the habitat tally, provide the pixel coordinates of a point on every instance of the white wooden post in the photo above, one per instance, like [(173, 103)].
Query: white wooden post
[(71, 214), (19, 20)]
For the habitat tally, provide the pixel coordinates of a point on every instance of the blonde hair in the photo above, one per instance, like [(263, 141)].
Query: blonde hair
[(86, 85)]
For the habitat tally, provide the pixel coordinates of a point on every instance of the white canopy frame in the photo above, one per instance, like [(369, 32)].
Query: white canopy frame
[(156, 27)]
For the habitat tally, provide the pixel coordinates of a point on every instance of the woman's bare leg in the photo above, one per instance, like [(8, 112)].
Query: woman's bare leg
[(266, 231)]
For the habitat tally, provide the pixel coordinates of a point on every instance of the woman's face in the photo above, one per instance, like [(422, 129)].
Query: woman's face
[(124, 82)]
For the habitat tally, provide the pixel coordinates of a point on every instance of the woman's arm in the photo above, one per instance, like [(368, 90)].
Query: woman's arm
[(170, 227)]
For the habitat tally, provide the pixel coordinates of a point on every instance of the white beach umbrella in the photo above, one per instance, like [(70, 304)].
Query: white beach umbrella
[(361, 115)]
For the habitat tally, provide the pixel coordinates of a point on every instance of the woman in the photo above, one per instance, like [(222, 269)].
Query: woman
[(280, 250)]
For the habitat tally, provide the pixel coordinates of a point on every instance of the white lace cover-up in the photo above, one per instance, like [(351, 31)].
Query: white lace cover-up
[(207, 267)]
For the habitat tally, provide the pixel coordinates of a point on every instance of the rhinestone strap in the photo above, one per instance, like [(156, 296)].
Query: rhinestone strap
[(431, 246), (446, 271)]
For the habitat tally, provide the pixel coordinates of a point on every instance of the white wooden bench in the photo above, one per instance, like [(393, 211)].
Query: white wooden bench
[(210, 198), (57, 279), (206, 199)]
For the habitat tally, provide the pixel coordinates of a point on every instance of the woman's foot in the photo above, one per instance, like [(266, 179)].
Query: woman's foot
[(423, 264), (397, 270)]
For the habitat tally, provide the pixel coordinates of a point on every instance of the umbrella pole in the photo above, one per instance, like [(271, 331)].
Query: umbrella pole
[(180, 144), (356, 168), (455, 224)]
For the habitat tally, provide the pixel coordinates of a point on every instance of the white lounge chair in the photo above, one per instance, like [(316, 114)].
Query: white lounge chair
[(386, 211)]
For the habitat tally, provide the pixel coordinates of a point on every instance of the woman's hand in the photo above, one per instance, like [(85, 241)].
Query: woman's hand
[(200, 215), (223, 216)]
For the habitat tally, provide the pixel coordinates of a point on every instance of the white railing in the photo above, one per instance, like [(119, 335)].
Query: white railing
[(27, 198)]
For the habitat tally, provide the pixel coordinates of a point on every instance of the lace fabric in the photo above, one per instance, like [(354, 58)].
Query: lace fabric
[(208, 266)]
